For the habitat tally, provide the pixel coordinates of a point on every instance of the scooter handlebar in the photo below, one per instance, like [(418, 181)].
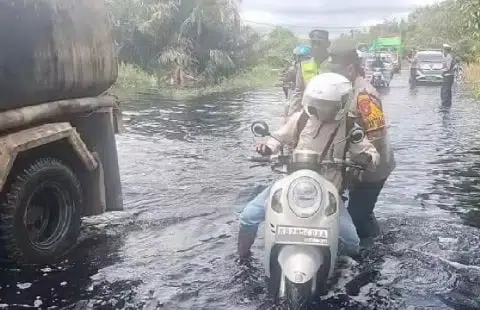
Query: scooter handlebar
[(273, 159)]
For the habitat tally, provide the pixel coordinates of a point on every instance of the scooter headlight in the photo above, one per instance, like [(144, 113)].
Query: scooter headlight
[(305, 197)]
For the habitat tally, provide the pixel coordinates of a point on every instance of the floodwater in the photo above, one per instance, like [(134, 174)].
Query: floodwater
[(185, 178)]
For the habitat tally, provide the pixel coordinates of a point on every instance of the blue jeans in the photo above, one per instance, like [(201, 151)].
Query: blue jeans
[(254, 214)]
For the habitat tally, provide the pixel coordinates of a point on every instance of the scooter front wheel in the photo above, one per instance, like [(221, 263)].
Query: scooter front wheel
[(298, 295)]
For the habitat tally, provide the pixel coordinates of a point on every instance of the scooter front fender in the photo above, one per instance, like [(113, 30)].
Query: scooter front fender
[(300, 263)]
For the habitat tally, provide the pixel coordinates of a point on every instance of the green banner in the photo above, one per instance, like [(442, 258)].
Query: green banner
[(386, 43)]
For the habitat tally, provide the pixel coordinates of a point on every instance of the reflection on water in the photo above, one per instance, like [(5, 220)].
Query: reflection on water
[(176, 120), (185, 176)]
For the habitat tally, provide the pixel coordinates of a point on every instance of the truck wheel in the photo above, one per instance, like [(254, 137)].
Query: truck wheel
[(40, 218)]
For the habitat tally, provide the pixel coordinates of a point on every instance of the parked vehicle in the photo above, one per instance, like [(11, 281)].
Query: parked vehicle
[(362, 50), (301, 222), (393, 45), (429, 66), (58, 154)]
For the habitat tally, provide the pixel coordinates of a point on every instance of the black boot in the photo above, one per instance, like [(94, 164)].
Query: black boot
[(246, 237)]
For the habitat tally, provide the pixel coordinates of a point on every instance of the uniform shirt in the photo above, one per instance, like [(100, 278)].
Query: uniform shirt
[(413, 62), (448, 64)]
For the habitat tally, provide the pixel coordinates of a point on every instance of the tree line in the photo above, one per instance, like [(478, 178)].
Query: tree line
[(205, 40), (455, 22)]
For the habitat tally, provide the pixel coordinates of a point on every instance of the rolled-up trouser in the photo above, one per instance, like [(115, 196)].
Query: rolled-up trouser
[(254, 214)]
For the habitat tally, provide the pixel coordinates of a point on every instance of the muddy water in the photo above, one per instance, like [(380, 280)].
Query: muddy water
[(184, 178)]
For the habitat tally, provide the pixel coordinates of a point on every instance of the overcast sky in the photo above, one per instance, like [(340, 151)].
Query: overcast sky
[(302, 16)]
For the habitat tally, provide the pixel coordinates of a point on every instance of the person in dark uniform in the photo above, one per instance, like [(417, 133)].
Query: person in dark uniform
[(448, 76)]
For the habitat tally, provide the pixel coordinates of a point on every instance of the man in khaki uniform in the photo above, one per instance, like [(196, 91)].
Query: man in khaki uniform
[(368, 110), (309, 69)]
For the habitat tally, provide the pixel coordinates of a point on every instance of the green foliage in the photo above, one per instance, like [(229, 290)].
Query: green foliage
[(431, 26), (470, 13), (456, 22), (277, 49), (131, 77), (204, 38)]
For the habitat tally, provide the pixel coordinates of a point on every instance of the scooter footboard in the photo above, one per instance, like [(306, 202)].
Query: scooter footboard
[(300, 263)]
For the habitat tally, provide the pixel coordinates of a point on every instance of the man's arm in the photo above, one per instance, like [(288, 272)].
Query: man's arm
[(295, 104), (286, 133)]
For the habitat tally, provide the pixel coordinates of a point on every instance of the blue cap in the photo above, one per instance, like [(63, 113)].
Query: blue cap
[(302, 50)]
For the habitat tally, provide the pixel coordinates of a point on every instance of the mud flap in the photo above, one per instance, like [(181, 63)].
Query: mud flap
[(300, 263)]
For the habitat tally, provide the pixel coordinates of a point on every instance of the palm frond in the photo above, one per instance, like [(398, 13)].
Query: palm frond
[(221, 59)]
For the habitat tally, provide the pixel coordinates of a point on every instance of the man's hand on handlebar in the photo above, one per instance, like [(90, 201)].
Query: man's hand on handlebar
[(263, 149)]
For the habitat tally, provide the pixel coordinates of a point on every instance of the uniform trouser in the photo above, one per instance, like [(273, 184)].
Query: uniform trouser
[(446, 91), (254, 214), (413, 77), (361, 202)]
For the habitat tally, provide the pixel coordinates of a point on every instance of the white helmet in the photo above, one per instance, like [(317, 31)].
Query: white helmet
[(327, 97)]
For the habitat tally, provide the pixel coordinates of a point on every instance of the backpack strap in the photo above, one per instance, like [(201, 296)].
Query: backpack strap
[(329, 143), (350, 123), (301, 123)]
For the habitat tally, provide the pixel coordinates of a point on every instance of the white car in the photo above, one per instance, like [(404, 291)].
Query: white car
[(429, 66)]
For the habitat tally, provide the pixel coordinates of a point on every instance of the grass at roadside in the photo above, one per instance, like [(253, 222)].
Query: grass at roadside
[(472, 76), (132, 79)]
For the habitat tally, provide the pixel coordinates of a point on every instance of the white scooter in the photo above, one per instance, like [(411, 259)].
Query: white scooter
[(301, 222)]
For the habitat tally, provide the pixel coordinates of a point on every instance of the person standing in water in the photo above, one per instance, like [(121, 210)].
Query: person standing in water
[(448, 76), (309, 68), (413, 68)]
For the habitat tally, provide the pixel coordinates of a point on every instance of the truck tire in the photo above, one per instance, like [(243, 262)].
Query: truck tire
[(41, 215)]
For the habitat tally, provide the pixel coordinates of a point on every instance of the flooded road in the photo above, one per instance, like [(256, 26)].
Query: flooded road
[(185, 176)]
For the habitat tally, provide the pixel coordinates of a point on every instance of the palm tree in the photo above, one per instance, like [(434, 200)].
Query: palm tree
[(201, 38)]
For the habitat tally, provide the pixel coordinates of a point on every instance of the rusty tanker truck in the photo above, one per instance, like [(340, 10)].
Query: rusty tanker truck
[(58, 156)]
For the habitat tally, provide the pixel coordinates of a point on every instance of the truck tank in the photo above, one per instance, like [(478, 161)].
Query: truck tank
[(58, 154), (49, 52)]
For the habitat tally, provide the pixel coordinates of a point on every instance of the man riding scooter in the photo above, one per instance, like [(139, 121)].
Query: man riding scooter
[(321, 126), (379, 61)]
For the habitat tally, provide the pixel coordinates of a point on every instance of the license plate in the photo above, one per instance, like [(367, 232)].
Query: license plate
[(303, 235)]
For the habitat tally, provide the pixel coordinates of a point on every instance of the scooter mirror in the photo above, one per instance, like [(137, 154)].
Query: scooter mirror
[(260, 129), (356, 135)]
